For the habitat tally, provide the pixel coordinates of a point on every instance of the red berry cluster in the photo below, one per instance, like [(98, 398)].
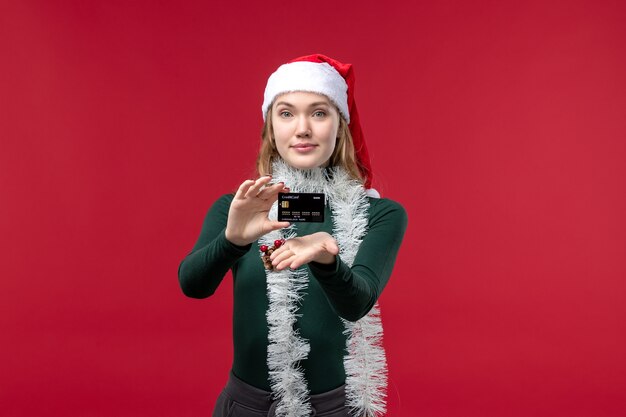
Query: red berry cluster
[(267, 252)]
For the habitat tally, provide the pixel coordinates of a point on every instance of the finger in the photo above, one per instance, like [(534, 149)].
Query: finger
[(272, 225), (267, 192), (284, 260), (243, 188), (254, 189), (271, 193), (284, 264), (296, 263), (281, 257), (300, 260), (277, 252)]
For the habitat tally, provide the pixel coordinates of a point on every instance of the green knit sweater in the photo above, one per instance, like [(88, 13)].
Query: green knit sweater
[(334, 291)]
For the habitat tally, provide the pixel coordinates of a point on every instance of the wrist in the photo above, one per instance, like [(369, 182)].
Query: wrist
[(234, 241), (325, 258)]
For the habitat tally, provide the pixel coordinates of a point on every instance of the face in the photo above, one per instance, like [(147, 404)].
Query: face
[(305, 128)]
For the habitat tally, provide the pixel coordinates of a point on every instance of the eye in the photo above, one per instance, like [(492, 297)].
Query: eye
[(284, 113), (319, 113)]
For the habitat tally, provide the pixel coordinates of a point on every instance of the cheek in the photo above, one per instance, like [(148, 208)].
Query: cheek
[(332, 133), (332, 145), (280, 133)]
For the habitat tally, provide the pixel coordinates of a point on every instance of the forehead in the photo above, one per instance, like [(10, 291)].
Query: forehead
[(302, 97)]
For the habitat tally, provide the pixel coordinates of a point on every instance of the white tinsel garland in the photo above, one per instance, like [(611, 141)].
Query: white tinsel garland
[(365, 362)]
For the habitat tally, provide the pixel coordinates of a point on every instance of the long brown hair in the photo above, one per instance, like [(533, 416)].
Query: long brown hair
[(343, 155)]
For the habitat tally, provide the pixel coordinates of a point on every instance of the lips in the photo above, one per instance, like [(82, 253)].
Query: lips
[(304, 148)]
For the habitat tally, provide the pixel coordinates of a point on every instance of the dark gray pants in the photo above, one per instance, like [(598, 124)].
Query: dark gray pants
[(239, 399)]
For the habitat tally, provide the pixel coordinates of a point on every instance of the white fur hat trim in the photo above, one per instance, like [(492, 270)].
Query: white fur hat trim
[(312, 77)]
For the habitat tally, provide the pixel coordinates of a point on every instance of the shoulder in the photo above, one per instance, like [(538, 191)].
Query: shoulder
[(385, 209), (386, 205), (225, 198), (221, 206)]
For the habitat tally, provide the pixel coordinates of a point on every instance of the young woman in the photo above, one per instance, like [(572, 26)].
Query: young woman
[(306, 329)]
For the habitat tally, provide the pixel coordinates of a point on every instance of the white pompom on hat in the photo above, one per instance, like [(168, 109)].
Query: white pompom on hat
[(320, 74)]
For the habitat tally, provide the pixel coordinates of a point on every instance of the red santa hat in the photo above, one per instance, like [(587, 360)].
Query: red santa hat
[(323, 75)]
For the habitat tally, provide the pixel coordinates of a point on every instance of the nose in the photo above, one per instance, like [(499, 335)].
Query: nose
[(303, 129)]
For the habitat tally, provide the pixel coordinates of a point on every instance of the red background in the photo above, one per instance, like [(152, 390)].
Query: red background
[(500, 126)]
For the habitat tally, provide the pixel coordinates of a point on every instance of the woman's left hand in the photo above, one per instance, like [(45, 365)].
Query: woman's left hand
[(319, 247)]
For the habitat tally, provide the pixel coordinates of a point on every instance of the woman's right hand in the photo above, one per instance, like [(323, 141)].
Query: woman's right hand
[(247, 217)]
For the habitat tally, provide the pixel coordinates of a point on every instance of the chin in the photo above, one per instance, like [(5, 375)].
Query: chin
[(303, 163)]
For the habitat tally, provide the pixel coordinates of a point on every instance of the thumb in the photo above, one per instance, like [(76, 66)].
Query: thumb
[(332, 247), (275, 225)]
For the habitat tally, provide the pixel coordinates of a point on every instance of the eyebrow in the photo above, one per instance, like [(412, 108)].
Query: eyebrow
[(317, 103)]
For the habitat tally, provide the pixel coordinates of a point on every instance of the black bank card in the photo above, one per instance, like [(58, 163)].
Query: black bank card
[(301, 207)]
